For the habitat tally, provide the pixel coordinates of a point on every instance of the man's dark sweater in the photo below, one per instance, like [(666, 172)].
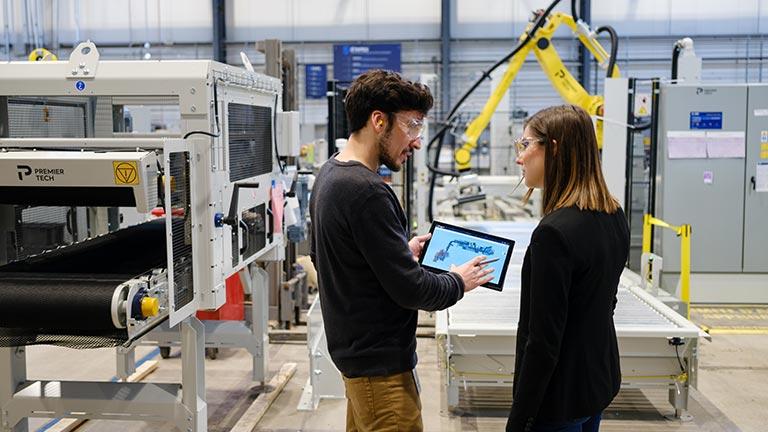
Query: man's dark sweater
[(370, 285)]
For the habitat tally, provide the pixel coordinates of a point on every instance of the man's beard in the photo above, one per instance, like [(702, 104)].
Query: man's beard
[(384, 157)]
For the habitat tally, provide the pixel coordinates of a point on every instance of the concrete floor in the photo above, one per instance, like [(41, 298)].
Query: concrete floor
[(733, 391), (733, 374)]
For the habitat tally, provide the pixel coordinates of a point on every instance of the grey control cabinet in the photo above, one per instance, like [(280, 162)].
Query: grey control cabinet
[(713, 192), (756, 203)]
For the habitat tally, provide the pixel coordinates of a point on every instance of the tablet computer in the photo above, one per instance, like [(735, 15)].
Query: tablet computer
[(454, 245)]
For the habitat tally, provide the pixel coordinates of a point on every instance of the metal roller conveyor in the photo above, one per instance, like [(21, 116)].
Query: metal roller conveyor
[(499, 312), (478, 334)]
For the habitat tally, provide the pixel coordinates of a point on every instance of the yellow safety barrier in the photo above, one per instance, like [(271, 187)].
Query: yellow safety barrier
[(684, 232)]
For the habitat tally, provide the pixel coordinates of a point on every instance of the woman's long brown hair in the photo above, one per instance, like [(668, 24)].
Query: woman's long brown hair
[(572, 174)]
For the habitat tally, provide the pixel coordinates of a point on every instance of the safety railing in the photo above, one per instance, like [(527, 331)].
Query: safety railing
[(684, 232)]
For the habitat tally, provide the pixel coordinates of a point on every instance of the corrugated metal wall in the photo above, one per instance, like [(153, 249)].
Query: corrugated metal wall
[(730, 37)]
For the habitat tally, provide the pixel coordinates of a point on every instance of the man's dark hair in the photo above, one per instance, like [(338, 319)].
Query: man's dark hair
[(384, 91)]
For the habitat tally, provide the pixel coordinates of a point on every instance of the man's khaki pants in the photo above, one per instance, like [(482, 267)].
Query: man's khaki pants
[(383, 404)]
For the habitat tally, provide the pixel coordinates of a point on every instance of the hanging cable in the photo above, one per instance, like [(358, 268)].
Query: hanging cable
[(677, 353), (199, 132), (433, 176), (614, 47), (274, 135), (487, 74), (439, 137), (573, 11), (215, 115), (216, 104), (675, 56), (676, 342)]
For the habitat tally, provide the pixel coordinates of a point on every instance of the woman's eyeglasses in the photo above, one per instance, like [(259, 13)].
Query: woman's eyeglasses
[(522, 144)]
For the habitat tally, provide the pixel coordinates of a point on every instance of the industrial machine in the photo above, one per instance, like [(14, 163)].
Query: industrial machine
[(709, 144), (537, 38), (712, 148), (657, 346), (144, 226)]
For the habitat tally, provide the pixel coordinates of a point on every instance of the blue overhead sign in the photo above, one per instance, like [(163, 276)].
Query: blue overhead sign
[(316, 79), (349, 61)]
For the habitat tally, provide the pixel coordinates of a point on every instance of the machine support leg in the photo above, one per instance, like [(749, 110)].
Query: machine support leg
[(126, 362), (453, 395), (193, 376), (259, 320), (678, 394), (13, 372), (678, 397)]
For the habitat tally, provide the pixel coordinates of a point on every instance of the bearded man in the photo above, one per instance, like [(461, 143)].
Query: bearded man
[(371, 285)]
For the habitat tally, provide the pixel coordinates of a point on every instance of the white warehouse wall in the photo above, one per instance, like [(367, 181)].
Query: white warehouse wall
[(482, 32), (189, 21)]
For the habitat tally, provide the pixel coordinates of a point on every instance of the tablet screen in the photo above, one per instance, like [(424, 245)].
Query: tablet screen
[(452, 245)]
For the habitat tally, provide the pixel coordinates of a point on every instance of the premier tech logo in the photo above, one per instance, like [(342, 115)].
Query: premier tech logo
[(40, 174)]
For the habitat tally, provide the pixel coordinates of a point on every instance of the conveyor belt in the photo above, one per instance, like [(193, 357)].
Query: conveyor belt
[(488, 311), (127, 252), (63, 297)]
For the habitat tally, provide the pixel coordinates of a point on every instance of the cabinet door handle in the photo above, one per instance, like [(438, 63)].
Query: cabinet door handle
[(752, 181)]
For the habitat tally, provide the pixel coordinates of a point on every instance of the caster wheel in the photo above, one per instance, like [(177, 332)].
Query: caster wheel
[(212, 353), (165, 352)]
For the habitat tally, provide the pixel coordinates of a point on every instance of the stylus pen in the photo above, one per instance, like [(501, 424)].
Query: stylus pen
[(489, 261)]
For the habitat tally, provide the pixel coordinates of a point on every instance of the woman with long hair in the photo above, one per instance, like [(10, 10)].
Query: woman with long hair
[(567, 358)]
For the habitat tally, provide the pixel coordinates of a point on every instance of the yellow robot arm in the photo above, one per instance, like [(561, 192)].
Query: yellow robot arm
[(463, 155), (562, 80)]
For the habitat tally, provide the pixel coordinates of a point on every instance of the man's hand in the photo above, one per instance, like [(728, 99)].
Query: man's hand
[(417, 244), (473, 272)]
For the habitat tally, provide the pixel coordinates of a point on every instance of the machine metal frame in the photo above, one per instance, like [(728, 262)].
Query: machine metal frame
[(325, 380), (187, 410), (478, 335), (202, 90)]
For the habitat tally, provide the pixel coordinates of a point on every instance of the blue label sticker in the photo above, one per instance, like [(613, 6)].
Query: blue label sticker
[(80, 86), (316, 79), (706, 120)]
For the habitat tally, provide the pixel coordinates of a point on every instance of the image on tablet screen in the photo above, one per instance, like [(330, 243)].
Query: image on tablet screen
[(448, 248)]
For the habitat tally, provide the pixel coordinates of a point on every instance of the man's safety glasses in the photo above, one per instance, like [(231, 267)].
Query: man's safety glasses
[(412, 127)]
